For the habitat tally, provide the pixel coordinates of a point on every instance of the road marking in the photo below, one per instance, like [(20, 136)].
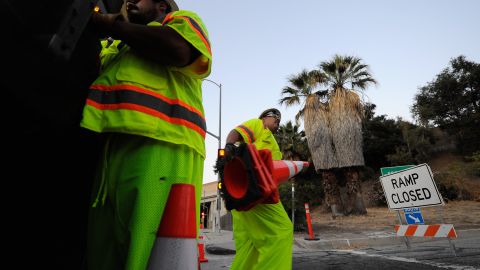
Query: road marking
[(401, 259)]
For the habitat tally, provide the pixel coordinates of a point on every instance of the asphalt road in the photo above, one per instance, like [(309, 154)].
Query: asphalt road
[(436, 254)]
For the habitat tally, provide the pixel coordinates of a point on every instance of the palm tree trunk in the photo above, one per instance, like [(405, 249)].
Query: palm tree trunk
[(332, 193), (354, 204)]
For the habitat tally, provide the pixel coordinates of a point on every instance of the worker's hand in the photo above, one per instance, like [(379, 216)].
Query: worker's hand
[(103, 22), (230, 150)]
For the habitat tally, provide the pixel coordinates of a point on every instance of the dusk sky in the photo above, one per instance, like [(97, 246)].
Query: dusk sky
[(257, 45)]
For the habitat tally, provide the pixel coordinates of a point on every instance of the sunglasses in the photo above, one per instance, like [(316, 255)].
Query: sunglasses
[(274, 115)]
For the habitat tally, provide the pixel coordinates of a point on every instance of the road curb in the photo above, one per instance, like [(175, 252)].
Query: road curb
[(228, 248), (364, 242)]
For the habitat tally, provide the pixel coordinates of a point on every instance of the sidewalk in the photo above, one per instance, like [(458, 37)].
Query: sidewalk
[(223, 244)]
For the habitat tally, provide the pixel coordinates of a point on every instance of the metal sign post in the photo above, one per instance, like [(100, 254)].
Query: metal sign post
[(409, 188), (389, 170), (405, 238), (452, 245)]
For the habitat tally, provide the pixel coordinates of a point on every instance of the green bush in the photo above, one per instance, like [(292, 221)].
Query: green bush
[(473, 164)]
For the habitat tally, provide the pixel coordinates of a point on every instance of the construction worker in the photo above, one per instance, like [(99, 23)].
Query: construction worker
[(147, 103), (264, 234)]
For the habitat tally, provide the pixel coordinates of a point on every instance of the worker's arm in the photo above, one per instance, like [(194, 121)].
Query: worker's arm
[(159, 43), (232, 138)]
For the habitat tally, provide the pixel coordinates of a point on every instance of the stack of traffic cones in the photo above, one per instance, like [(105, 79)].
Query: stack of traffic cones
[(175, 246)]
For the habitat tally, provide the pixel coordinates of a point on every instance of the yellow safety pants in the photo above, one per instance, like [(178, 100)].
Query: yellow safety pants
[(263, 238)]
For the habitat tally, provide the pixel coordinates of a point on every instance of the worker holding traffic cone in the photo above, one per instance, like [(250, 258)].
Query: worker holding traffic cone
[(263, 233)]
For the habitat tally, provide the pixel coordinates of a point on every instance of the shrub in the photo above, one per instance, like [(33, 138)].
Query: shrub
[(451, 186)]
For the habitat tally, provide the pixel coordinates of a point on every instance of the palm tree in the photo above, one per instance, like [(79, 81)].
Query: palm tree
[(292, 142), (333, 124)]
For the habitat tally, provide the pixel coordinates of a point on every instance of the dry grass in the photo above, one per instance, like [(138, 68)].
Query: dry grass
[(462, 214)]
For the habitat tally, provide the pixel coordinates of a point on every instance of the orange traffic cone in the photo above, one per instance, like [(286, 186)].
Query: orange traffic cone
[(201, 249), (286, 169), (252, 177), (201, 246), (175, 246)]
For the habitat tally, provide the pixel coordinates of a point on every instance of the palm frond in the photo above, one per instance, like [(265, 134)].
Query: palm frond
[(289, 101)]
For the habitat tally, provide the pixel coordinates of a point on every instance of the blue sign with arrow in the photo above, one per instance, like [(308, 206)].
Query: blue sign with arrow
[(413, 215)]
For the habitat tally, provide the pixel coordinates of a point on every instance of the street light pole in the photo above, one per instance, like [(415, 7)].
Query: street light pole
[(293, 203), (219, 138)]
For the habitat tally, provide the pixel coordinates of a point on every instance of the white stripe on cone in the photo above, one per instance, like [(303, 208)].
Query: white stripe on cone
[(294, 166), (286, 169)]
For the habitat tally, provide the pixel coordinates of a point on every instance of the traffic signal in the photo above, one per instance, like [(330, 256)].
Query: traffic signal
[(221, 153), (219, 185)]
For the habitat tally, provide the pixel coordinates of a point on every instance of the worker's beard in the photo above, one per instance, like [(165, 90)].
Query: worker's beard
[(138, 16)]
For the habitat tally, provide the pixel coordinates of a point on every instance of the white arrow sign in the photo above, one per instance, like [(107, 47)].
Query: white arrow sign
[(417, 220)]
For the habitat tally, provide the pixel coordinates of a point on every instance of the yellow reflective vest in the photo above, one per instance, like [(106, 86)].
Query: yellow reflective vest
[(253, 131), (137, 96)]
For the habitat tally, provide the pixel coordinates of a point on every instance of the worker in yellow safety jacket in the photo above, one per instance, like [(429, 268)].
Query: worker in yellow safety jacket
[(147, 103), (263, 234)]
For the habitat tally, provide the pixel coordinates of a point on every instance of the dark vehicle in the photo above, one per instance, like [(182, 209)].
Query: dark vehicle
[(49, 58)]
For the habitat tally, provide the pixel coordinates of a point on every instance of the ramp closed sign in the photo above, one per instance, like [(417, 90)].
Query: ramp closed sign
[(413, 187)]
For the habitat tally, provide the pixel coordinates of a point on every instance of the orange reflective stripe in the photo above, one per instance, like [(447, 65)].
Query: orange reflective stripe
[(195, 27), (145, 91), (167, 18), (248, 132), (134, 98)]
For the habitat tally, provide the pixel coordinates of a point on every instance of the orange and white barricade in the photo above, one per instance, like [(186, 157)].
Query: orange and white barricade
[(436, 230)]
